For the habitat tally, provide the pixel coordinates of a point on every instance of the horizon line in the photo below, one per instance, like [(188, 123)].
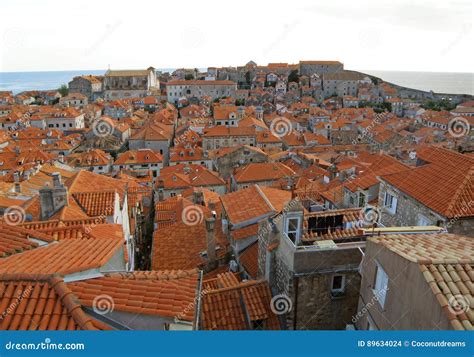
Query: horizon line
[(175, 68)]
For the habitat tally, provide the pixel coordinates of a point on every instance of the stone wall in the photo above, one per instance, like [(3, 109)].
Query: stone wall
[(316, 309)]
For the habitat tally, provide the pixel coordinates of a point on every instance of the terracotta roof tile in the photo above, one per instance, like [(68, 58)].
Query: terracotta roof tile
[(165, 293), (39, 302), (238, 307), (249, 260), (64, 257)]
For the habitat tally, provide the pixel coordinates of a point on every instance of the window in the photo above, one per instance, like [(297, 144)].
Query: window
[(390, 203), (172, 194), (292, 228), (380, 284), (423, 221), (362, 199), (338, 283)]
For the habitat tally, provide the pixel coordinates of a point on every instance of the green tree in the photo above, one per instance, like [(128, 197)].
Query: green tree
[(247, 77), (294, 77), (63, 90), (188, 77)]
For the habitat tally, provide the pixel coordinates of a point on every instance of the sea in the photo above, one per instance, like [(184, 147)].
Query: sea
[(439, 82)]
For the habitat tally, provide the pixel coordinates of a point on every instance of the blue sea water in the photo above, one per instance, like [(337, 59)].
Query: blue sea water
[(440, 82), (21, 81)]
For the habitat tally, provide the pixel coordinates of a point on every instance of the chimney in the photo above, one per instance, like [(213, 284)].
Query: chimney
[(52, 199), (56, 179), (16, 180), (211, 241)]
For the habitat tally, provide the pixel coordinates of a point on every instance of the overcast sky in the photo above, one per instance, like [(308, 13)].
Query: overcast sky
[(41, 35)]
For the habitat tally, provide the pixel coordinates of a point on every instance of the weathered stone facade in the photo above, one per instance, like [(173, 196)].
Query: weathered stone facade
[(225, 164), (410, 212), (200, 88), (129, 84), (305, 276), (90, 86)]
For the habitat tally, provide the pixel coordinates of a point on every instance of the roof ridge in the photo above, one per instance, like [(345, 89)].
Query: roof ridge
[(70, 302), (242, 285), (267, 201)]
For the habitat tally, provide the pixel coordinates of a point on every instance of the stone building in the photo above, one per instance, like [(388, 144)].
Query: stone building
[(155, 136), (76, 100), (341, 83), (221, 137), (200, 88), (409, 283), (438, 192), (129, 83), (227, 159), (90, 86), (313, 260), (307, 68)]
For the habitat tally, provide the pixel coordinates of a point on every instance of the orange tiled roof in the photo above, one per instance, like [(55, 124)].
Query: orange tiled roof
[(179, 246), (94, 157), (252, 202), (245, 232), (15, 239), (143, 156), (249, 260), (96, 203), (168, 293), (64, 257), (237, 307), (445, 187), (255, 172), (40, 302)]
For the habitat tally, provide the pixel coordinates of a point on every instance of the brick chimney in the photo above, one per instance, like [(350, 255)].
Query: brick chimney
[(52, 199)]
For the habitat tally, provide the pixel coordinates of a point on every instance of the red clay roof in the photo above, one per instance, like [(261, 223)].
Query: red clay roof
[(249, 260), (40, 302), (179, 246), (237, 307), (253, 202), (445, 185), (164, 293), (64, 257), (256, 172)]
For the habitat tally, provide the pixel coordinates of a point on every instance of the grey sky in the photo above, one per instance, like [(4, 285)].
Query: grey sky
[(380, 35)]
